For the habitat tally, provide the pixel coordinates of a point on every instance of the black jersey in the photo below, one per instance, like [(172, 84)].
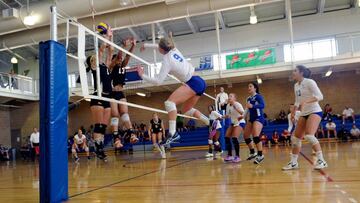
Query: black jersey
[(118, 75), (105, 79), (156, 126)]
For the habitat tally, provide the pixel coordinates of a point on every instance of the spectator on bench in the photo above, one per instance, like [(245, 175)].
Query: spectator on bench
[(327, 112), (180, 123), (348, 114), (4, 153), (343, 134), (320, 132), (354, 132), (331, 128), (282, 118), (263, 138), (275, 137), (286, 137)]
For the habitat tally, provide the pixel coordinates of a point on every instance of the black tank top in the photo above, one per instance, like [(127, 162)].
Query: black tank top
[(156, 126), (105, 79), (118, 75)]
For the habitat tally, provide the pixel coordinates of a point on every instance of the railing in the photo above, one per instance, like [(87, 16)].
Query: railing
[(18, 84)]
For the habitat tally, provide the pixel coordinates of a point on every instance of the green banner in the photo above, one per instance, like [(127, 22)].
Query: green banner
[(256, 58)]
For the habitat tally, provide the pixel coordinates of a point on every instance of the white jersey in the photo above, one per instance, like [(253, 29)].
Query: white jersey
[(79, 140), (305, 90), (214, 115), (296, 118), (175, 64), (234, 114)]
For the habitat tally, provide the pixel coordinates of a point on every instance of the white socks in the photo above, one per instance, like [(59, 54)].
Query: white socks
[(319, 155), (172, 127), (294, 158)]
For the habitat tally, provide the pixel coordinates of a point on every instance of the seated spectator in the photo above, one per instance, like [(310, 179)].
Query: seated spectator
[(263, 138), (320, 132), (282, 117), (191, 124), (286, 137), (348, 114), (275, 137), (343, 134), (327, 112), (4, 153), (331, 128), (355, 132), (180, 123)]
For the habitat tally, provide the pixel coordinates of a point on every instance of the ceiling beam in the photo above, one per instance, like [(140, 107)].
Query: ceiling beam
[(321, 6), (191, 25), (3, 2), (134, 34), (221, 20)]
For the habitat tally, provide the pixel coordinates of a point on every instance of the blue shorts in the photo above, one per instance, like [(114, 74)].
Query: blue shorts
[(242, 125), (197, 84), (317, 113), (258, 119)]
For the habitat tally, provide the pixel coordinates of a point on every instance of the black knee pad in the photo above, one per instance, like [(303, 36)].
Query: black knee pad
[(97, 128), (248, 141), (256, 140), (103, 129), (235, 141), (227, 139)]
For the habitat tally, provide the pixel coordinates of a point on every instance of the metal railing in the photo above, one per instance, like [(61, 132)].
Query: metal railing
[(18, 84)]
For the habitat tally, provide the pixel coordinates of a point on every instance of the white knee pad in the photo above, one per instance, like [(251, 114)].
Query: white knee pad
[(125, 117), (114, 121), (295, 141), (312, 139), (170, 106), (191, 112), (73, 151), (86, 149), (217, 143), (210, 142)]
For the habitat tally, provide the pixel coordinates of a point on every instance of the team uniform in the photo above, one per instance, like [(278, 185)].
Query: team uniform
[(214, 127), (156, 126), (234, 114), (118, 76), (257, 111), (80, 143), (105, 80)]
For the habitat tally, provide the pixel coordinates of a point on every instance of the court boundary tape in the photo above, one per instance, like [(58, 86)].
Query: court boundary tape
[(322, 172)]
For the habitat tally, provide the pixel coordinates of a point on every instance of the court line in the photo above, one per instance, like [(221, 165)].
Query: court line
[(322, 172), (128, 179)]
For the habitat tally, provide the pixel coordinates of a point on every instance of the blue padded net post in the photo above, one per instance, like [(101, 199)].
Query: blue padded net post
[(54, 96)]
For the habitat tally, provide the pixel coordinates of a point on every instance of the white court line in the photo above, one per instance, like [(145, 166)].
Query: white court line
[(134, 105), (352, 200)]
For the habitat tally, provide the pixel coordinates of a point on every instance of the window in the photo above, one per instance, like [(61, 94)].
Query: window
[(311, 50), (72, 80)]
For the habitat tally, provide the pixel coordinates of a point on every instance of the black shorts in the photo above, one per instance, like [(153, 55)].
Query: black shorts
[(96, 102), (117, 95), (156, 131)]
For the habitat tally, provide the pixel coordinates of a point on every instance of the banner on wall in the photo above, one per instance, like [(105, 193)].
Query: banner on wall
[(250, 59), (206, 63)]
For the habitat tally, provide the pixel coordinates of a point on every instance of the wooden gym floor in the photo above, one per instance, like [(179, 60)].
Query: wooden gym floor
[(186, 176)]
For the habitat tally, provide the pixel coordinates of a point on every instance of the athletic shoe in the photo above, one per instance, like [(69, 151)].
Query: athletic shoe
[(218, 153), (259, 159), (208, 155), (291, 166), (229, 158), (320, 164), (173, 138), (251, 156), (236, 159), (77, 159)]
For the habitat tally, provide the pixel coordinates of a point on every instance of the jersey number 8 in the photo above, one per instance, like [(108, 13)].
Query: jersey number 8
[(177, 57)]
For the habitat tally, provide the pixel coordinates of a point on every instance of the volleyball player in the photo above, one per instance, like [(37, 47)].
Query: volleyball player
[(156, 131), (118, 76), (255, 106), (100, 109), (234, 111), (187, 94), (307, 97), (80, 143), (215, 128)]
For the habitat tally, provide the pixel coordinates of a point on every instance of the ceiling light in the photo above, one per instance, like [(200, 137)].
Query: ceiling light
[(30, 19), (14, 60), (141, 94), (259, 80), (328, 73)]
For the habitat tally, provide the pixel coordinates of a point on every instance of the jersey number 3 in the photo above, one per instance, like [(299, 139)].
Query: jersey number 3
[(177, 57)]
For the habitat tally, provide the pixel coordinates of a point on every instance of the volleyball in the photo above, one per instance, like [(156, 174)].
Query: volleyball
[(102, 28)]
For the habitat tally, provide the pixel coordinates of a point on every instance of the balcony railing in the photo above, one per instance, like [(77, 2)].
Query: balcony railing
[(12, 84)]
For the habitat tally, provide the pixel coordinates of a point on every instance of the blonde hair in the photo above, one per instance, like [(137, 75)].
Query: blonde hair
[(166, 44)]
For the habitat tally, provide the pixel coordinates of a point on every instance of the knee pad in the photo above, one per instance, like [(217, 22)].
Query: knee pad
[(86, 149), (103, 129), (73, 151), (191, 112), (235, 141), (210, 142), (97, 128), (125, 117), (248, 141), (170, 106), (256, 140), (312, 139), (114, 121), (295, 141), (217, 143)]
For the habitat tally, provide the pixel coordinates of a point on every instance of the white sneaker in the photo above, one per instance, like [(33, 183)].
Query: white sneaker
[(320, 164), (218, 153), (291, 166), (208, 155), (251, 156), (259, 159), (162, 152)]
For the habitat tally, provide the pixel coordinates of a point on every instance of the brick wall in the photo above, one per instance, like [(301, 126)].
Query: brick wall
[(339, 90), (5, 133)]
